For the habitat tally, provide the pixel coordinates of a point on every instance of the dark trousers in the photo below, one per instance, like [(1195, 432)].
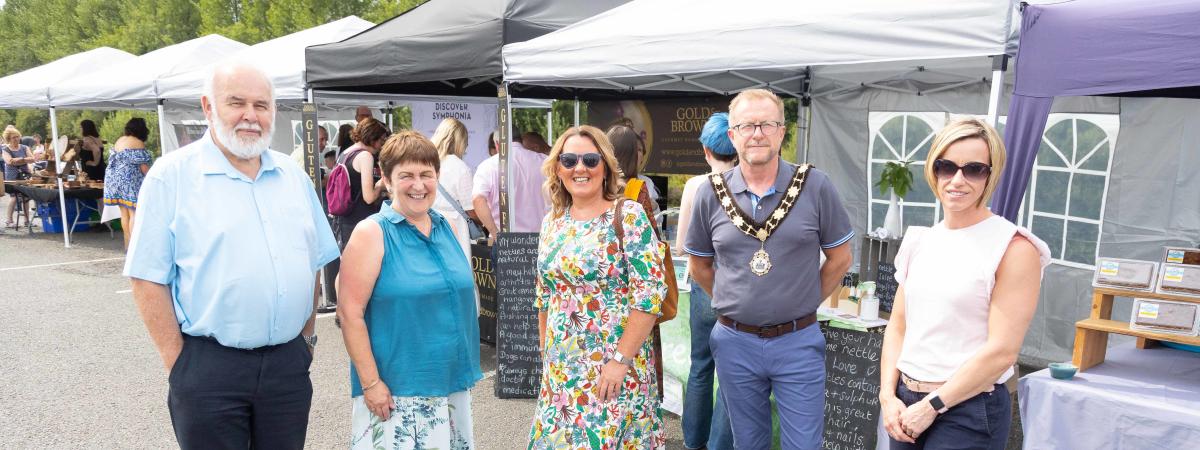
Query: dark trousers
[(228, 398), (981, 422)]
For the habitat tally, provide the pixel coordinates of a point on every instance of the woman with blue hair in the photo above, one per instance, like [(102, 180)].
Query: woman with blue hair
[(703, 425)]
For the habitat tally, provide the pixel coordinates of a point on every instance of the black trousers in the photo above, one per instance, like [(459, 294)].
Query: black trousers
[(228, 398)]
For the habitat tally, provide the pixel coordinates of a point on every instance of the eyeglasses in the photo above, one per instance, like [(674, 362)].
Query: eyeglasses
[(972, 171), (747, 129), (569, 160)]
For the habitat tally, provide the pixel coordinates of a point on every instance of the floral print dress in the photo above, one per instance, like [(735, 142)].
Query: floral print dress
[(588, 288), (123, 177)]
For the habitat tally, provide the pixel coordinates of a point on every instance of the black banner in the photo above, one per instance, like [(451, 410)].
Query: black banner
[(308, 116), (485, 282), (670, 128)]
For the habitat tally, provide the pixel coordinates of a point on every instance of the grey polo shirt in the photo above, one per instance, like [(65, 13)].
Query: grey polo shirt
[(792, 289)]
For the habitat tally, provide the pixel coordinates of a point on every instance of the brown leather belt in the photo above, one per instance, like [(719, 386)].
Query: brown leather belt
[(770, 331)]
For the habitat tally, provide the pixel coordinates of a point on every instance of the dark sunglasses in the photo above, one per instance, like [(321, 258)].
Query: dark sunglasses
[(569, 160), (972, 171)]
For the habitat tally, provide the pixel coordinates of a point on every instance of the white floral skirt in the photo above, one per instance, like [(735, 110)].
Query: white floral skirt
[(416, 423)]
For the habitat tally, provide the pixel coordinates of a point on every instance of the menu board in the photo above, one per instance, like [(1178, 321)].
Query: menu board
[(519, 362), (851, 387), (885, 286)]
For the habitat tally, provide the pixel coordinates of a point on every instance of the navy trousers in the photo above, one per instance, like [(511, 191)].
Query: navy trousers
[(228, 398), (982, 422)]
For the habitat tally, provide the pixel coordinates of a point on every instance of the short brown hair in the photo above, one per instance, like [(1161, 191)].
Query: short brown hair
[(368, 131), (967, 128), (407, 147), (559, 197)]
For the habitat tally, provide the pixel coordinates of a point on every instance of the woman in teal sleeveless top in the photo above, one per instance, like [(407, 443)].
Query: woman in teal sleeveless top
[(407, 308)]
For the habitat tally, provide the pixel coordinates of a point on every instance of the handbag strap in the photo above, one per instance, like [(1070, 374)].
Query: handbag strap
[(453, 202)]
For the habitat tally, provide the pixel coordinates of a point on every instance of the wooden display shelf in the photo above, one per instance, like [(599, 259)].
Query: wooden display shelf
[(1091, 334)]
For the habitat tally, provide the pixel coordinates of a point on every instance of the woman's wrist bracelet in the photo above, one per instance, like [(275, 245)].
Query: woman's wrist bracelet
[(373, 384)]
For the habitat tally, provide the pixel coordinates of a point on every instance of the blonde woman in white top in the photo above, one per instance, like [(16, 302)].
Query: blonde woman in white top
[(968, 290), (450, 138)]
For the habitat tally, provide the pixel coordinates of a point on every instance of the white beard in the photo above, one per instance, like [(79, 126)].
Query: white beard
[(242, 148)]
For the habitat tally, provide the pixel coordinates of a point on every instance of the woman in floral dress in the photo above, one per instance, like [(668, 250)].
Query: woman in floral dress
[(598, 297), (128, 163)]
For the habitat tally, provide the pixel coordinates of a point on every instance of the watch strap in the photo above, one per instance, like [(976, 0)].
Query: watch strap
[(618, 357)]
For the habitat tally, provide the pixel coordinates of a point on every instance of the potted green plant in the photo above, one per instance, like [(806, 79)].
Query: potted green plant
[(897, 180)]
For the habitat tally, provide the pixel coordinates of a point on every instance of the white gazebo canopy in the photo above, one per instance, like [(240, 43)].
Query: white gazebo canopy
[(281, 58), (132, 84), (31, 88), (721, 47)]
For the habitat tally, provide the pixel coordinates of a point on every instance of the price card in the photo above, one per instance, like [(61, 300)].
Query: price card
[(1175, 256), (1148, 311), (1174, 274), (1109, 268)]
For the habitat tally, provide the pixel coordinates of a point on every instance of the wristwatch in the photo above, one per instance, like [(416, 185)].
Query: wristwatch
[(621, 359), (936, 402), (310, 340)]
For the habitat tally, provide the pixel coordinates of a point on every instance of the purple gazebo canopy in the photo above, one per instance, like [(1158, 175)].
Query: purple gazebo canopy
[(1091, 47)]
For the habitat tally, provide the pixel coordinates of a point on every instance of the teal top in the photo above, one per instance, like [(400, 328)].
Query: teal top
[(421, 317)]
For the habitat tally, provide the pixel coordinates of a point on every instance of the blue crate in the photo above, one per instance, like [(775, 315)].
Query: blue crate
[(52, 219)]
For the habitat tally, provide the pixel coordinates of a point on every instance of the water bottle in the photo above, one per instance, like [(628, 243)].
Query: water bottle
[(868, 307)]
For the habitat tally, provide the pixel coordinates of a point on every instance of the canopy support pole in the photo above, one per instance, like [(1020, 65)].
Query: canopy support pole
[(391, 111), (62, 198), (577, 111), (550, 124), (999, 64), (804, 114), (162, 129)]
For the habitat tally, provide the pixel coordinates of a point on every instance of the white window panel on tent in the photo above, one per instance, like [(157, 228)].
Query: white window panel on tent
[(1069, 185), (897, 137)]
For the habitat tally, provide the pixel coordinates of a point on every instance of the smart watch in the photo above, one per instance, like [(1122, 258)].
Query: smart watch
[(936, 402)]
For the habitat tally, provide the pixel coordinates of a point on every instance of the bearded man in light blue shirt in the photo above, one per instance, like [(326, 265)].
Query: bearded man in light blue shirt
[(223, 259)]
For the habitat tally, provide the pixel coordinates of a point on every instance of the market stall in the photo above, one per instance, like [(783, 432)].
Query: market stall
[(452, 50), (1145, 55), (31, 88), (836, 58)]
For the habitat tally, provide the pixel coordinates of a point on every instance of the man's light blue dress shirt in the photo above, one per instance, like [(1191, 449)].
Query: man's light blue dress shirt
[(239, 255)]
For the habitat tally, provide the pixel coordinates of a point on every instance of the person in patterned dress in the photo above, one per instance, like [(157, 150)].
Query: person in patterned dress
[(128, 163), (598, 296)]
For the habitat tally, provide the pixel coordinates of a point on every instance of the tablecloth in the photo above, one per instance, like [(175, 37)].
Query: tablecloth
[(1135, 399)]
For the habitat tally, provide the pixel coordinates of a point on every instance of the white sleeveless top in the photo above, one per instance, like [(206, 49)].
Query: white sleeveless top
[(948, 276)]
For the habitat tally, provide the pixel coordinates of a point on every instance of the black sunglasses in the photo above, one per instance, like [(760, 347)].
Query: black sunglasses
[(569, 160), (972, 171)]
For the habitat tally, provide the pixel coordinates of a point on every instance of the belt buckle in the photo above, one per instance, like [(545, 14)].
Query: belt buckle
[(768, 332)]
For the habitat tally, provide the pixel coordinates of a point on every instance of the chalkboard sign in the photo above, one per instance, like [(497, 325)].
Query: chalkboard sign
[(519, 361), (485, 282), (851, 387), (885, 286)]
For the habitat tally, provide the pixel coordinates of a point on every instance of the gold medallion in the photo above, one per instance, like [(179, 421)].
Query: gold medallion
[(760, 263)]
